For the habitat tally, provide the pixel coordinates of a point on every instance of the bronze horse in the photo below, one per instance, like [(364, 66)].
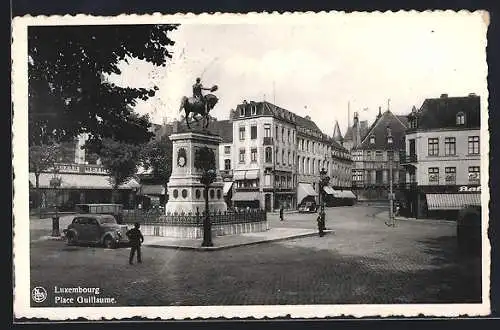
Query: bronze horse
[(191, 105)]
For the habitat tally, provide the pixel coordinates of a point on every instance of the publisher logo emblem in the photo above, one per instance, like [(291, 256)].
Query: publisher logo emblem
[(39, 294)]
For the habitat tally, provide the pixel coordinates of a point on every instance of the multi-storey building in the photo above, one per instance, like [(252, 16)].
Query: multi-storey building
[(376, 154), (224, 128), (316, 151), (264, 147), (442, 157), (277, 157)]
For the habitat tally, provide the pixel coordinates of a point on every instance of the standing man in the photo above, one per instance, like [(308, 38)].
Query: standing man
[(281, 212), (135, 237)]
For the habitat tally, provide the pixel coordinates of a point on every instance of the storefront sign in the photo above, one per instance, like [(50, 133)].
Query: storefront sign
[(469, 189)]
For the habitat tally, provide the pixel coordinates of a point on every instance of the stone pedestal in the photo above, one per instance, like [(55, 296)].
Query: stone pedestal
[(185, 192)]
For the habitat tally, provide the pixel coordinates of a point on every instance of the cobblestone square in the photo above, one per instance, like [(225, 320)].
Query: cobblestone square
[(363, 262)]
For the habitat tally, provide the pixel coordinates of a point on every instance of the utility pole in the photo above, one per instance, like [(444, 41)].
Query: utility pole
[(390, 156)]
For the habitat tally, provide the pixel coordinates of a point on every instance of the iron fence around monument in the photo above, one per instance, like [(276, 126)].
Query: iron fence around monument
[(156, 217)]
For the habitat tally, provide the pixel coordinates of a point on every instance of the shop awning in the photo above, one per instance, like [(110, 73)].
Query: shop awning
[(304, 190), (152, 189), (80, 181), (227, 187), (239, 175), (241, 196), (252, 174), (451, 201), (329, 190)]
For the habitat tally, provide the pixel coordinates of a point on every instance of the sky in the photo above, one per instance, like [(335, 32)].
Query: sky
[(317, 67)]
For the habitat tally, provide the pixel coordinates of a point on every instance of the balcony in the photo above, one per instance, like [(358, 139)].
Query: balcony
[(268, 141), (405, 159), (226, 173)]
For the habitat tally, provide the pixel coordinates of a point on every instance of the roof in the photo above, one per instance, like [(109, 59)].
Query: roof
[(363, 130), (337, 134), (379, 131), (441, 112), (224, 128), (264, 108)]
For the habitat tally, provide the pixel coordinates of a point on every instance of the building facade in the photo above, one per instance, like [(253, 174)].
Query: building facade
[(276, 158), (82, 180), (377, 155), (442, 156)]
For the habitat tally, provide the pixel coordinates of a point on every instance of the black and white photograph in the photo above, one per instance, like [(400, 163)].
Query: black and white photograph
[(258, 165)]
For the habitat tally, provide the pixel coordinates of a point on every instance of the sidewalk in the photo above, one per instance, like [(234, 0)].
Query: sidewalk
[(385, 216), (230, 241)]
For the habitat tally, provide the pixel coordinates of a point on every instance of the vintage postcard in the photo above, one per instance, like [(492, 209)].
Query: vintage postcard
[(258, 165)]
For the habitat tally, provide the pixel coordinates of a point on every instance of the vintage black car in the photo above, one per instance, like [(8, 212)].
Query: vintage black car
[(99, 229), (469, 230), (308, 207)]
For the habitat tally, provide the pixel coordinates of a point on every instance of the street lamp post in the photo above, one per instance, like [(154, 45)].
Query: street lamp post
[(55, 183), (207, 179), (390, 155), (324, 179)]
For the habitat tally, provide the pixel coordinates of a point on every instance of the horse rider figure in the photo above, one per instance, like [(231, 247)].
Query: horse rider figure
[(197, 92)]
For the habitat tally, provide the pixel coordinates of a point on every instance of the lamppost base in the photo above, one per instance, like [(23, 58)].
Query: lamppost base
[(55, 227), (207, 244)]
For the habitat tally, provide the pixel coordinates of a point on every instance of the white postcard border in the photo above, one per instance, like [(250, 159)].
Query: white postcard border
[(21, 242)]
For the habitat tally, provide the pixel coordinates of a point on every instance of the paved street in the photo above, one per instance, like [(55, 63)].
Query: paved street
[(364, 261)]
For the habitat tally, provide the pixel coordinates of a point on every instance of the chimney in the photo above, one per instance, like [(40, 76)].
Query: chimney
[(443, 96), (307, 117), (472, 94), (379, 112)]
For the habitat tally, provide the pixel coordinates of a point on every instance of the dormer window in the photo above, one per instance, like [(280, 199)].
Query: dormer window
[(254, 110), (460, 118), (372, 139), (389, 140), (242, 112)]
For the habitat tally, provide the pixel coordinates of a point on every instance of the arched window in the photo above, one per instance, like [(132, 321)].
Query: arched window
[(313, 166), (283, 159), (460, 118)]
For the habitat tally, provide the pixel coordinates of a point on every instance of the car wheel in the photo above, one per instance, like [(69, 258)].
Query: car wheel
[(109, 243), (71, 239)]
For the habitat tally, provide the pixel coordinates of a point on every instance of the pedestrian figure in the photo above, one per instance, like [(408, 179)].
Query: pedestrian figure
[(135, 237), (281, 213)]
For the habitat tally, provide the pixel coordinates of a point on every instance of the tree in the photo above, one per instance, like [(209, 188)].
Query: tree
[(205, 160), (68, 91), (42, 158), (157, 156), (121, 160)]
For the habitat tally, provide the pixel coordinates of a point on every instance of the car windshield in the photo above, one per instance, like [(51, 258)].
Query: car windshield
[(107, 220)]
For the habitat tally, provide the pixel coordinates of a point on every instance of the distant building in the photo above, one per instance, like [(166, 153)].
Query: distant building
[(442, 156), (355, 133), (224, 128), (83, 180), (371, 156)]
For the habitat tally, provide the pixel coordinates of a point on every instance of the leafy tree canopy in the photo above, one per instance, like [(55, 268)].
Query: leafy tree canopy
[(120, 159), (67, 92), (157, 155)]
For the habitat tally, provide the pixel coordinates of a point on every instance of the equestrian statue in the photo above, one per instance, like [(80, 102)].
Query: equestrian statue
[(199, 104)]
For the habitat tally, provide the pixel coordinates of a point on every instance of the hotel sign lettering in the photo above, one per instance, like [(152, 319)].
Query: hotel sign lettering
[(469, 189)]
